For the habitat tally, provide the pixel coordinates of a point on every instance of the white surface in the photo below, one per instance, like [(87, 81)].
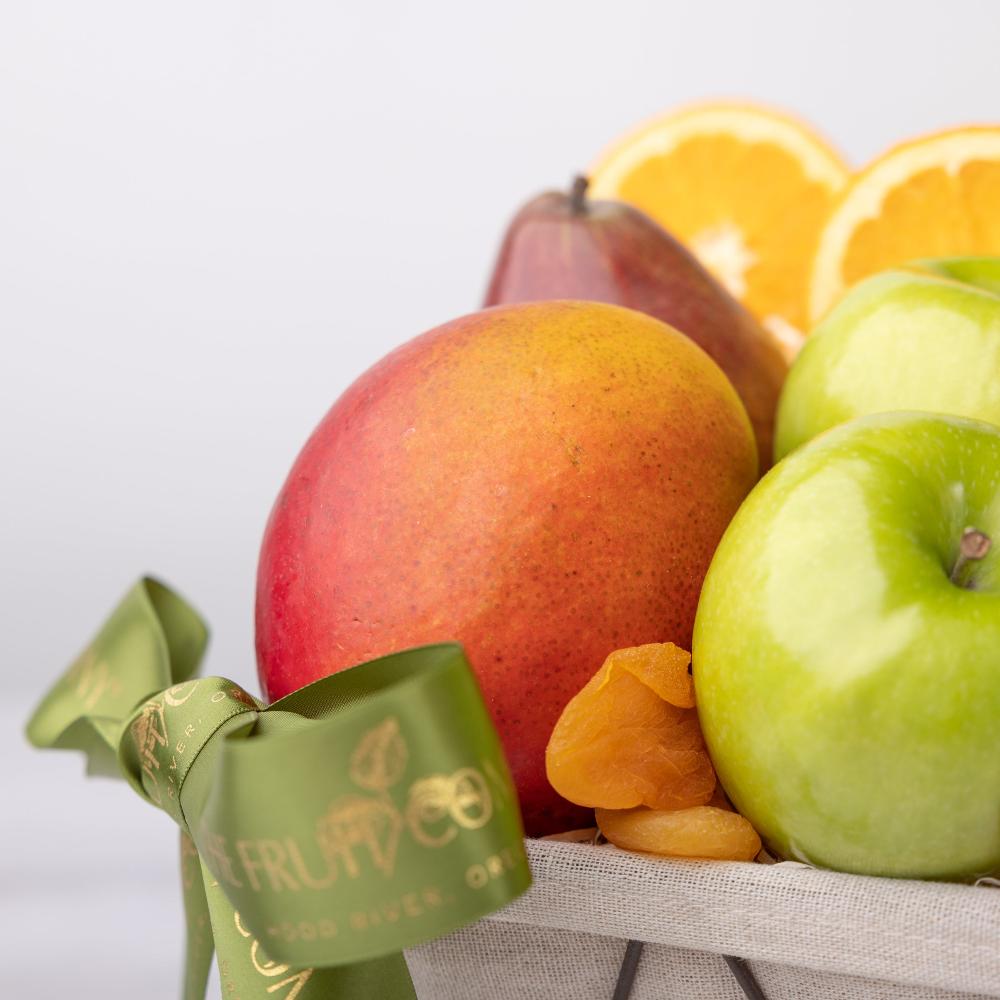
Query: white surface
[(213, 216)]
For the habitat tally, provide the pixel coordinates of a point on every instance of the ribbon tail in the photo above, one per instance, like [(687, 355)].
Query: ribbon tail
[(246, 970), (199, 944)]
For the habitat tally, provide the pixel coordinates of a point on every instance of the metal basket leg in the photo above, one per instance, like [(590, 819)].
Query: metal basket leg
[(745, 979)]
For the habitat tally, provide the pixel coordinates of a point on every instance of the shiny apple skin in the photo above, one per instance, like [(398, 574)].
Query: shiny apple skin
[(849, 691), (611, 252), (921, 337), (542, 483)]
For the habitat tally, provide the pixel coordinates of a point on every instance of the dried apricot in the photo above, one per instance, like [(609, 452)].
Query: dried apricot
[(698, 832), (631, 737), (661, 666)]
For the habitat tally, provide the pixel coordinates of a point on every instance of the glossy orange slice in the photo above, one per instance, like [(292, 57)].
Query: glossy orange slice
[(748, 189), (935, 196)]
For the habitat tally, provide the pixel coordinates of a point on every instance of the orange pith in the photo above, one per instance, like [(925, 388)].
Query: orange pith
[(938, 195), (748, 189)]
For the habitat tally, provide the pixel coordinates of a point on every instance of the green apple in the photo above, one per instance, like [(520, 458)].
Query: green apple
[(921, 337), (847, 650)]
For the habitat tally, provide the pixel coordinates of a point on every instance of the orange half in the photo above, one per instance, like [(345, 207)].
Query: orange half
[(748, 189), (935, 196)]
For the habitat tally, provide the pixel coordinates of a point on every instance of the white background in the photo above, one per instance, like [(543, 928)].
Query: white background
[(213, 216)]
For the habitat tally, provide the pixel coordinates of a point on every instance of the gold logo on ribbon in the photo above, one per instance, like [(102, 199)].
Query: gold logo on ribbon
[(379, 759), (270, 969), (149, 732), (179, 693), (437, 807), (91, 679), (357, 821), (441, 805), (361, 830)]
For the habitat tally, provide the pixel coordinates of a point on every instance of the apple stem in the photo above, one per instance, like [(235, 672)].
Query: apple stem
[(578, 194), (974, 546)]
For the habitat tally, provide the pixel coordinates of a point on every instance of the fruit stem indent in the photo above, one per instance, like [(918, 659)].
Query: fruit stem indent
[(974, 546)]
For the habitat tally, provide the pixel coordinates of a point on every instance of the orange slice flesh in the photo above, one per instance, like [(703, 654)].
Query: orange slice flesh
[(746, 188), (935, 196)]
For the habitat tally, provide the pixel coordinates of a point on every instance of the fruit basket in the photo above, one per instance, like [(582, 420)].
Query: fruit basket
[(807, 934), (799, 653)]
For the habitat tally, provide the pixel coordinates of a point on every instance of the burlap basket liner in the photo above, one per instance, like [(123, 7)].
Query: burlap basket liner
[(808, 933)]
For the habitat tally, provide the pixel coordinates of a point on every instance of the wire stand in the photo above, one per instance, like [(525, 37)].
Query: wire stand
[(745, 979), (626, 974)]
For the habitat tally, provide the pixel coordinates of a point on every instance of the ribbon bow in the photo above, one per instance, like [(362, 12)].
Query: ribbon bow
[(320, 835)]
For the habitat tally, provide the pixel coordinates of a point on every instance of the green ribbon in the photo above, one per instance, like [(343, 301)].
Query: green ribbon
[(320, 835)]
